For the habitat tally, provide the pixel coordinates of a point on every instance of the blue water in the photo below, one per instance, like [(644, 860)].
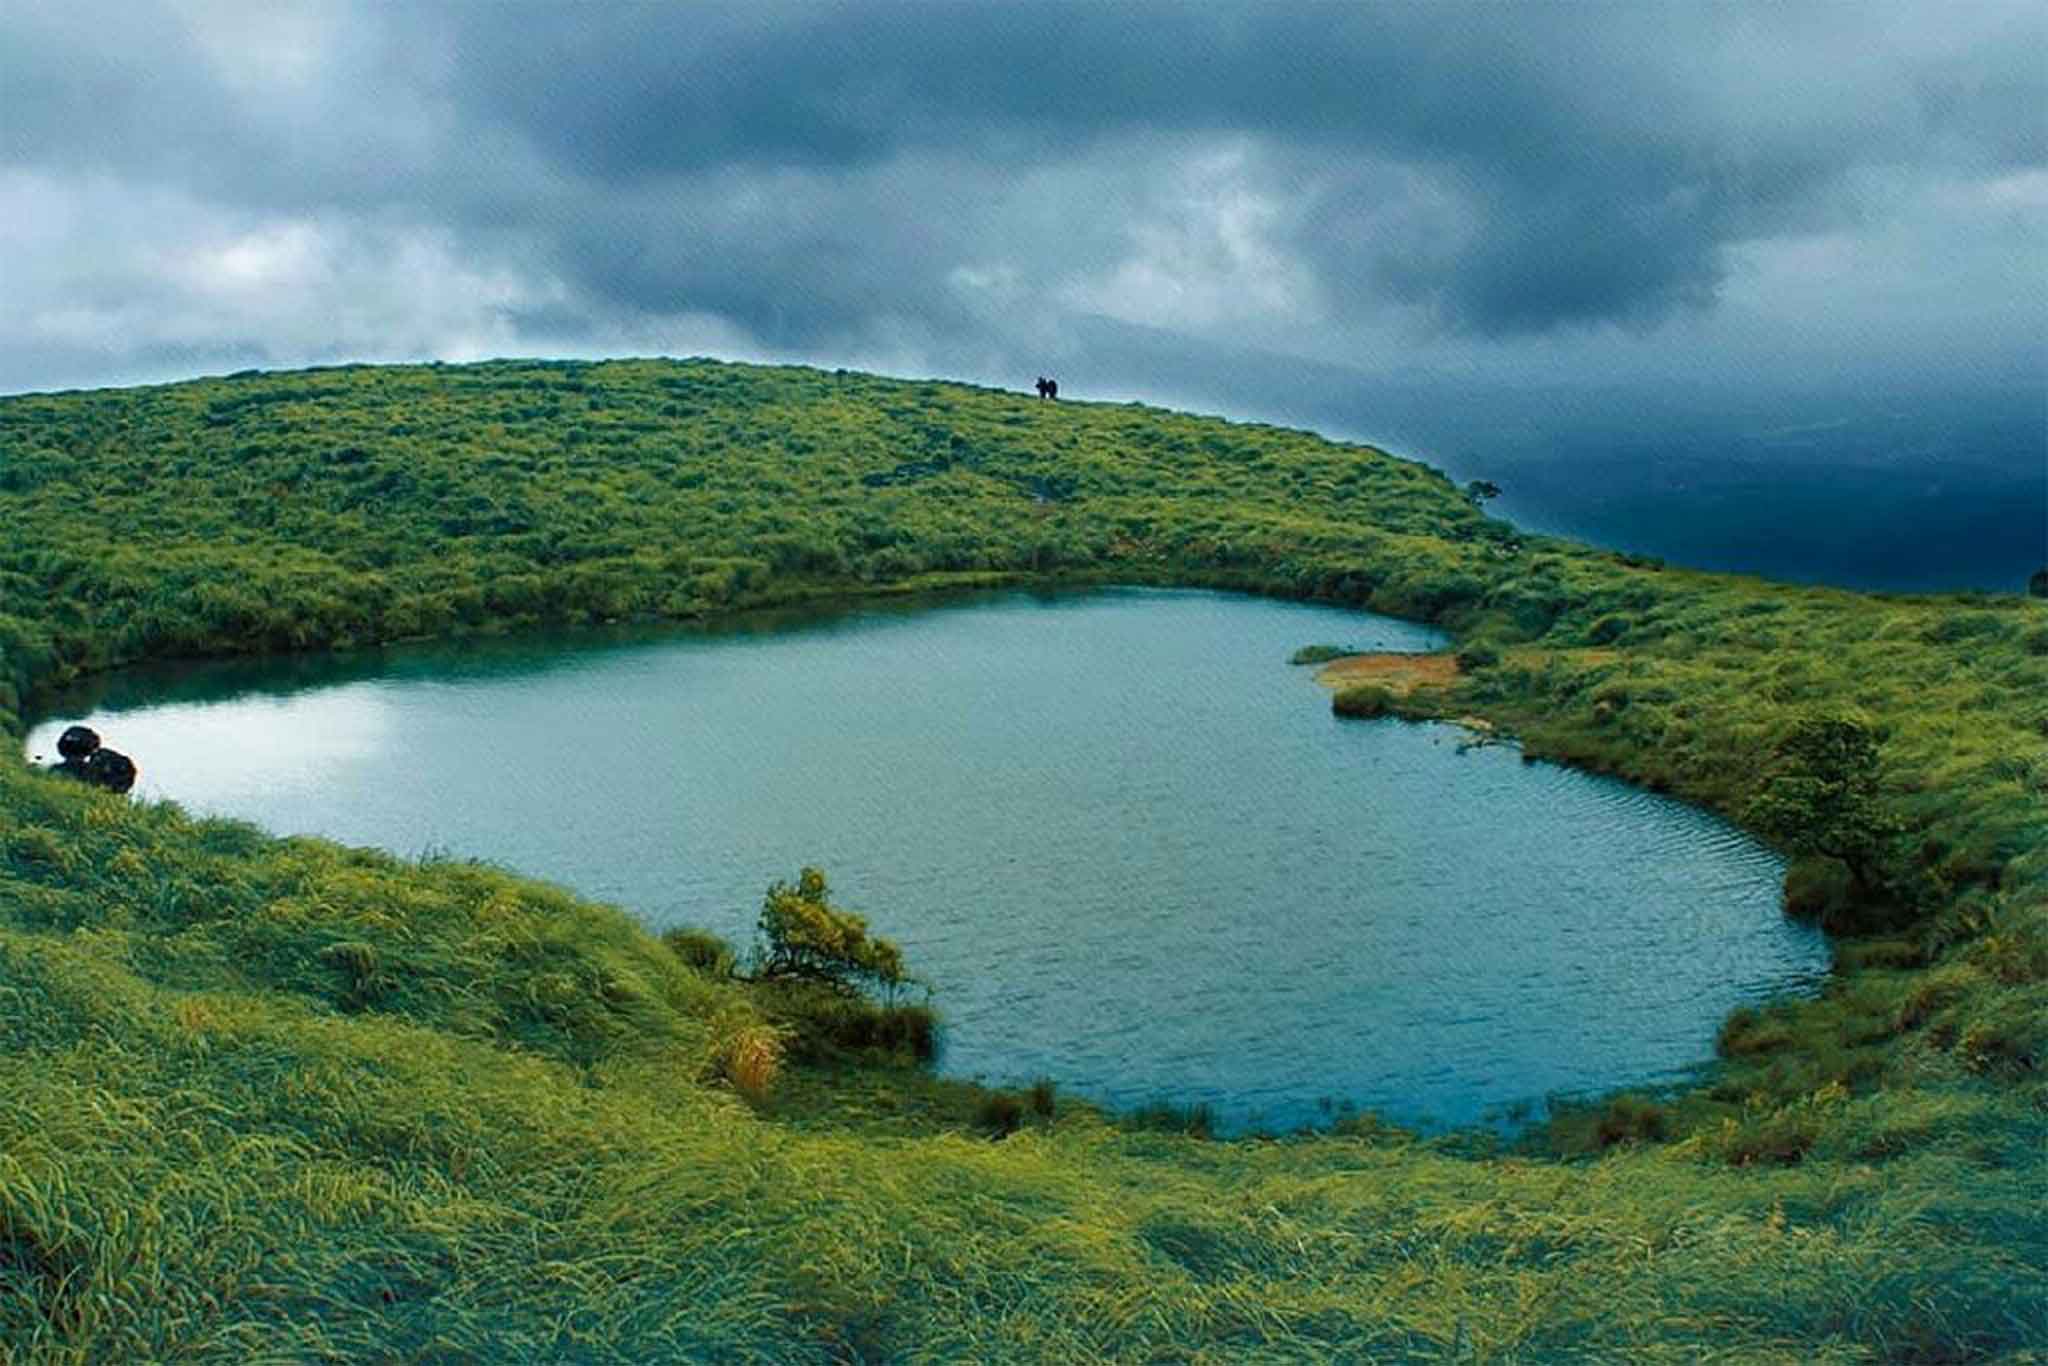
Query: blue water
[(1127, 845), (1932, 485)]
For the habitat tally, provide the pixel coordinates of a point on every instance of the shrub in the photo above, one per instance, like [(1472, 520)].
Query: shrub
[(1318, 654), (1816, 889), (1631, 1119), (1363, 699), (1607, 630), (1043, 1099), (702, 950), (812, 964), (1001, 1113), (1780, 1139), (912, 1031), (1477, 654), (1932, 994), (1823, 798), (2008, 1036), (2015, 955), (805, 937), (358, 960), (824, 1023), (1615, 695), (1746, 1033), (1891, 955), (1196, 1121)]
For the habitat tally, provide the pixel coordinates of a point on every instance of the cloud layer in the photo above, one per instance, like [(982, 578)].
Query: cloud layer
[(1530, 191)]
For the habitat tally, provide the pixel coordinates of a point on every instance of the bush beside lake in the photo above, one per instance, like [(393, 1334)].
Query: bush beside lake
[(1363, 699), (274, 1097)]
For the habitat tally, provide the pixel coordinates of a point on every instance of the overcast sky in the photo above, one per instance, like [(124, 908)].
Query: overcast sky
[(1715, 198)]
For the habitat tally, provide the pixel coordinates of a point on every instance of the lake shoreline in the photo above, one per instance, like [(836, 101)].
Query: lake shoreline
[(563, 1089), (1249, 1031)]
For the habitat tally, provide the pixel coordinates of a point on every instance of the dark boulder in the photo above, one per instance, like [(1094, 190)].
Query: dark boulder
[(77, 742), (109, 769), (2038, 585), (90, 762)]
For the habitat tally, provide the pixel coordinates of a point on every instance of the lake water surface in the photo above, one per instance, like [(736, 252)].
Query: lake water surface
[(1130, 848)]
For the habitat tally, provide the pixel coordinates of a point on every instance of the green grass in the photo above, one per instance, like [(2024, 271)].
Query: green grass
[(272, 1099)]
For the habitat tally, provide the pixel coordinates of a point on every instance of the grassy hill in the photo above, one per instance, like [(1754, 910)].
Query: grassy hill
[(271, 1099)]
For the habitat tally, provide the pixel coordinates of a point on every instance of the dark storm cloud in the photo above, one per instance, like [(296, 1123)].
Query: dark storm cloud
[(954, 176), (1603, 155)]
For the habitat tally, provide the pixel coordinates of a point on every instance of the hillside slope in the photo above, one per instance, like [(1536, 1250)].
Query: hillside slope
[(271, 1098)]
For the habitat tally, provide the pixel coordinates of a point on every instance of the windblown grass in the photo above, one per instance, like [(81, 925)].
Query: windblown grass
[(270, 1099)]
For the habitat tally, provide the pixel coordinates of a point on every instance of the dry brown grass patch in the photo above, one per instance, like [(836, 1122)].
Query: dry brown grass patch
[(1399, 674), (753, 1060)]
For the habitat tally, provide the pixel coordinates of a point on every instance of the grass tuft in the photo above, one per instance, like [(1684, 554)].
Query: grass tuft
[(701, 950), (1000, 1114), (753, 1060)]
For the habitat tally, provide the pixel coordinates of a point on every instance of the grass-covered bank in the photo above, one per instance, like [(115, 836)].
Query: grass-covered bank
[(273, 1097)]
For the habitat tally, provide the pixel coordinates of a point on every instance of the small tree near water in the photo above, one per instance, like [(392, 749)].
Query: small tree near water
[(805, 938), (1823, 798)]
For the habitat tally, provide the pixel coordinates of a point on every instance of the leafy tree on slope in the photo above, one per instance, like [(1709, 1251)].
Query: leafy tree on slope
[(804, 936), (1824, 799)]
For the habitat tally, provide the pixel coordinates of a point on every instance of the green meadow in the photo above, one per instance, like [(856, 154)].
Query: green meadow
[(270, 1099)]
